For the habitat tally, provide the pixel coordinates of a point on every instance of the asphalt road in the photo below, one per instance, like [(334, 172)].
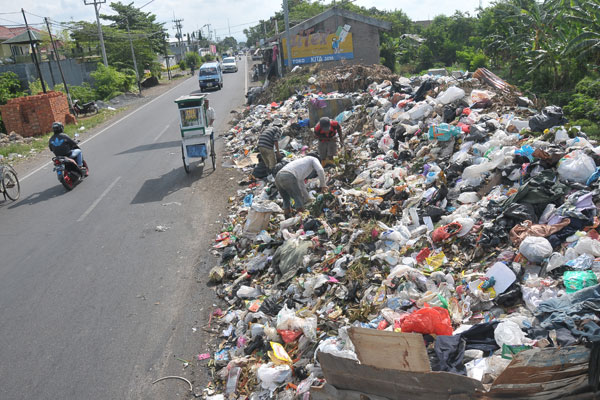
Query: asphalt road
[(94, 300)]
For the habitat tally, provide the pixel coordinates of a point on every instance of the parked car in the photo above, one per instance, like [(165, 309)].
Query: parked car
[(229, 64), (210, 76)]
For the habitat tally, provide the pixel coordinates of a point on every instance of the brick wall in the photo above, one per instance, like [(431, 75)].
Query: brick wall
[(34, 115)]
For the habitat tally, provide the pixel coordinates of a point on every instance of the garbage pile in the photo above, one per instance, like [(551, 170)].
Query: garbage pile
[(454, 210)]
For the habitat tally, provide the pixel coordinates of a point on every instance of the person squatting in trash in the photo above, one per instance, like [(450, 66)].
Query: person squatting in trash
[(290, 182), (268, 144), (326, 132)]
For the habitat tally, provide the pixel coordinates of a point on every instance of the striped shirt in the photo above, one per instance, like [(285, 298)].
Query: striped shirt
[(269, 136)]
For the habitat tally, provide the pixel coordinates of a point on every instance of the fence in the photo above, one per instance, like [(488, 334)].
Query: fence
[(75, 72)]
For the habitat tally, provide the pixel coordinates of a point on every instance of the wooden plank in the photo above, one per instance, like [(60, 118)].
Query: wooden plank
[(399, 351)]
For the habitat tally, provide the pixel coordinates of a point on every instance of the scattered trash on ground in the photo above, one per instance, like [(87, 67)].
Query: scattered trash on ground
[(451, 239)]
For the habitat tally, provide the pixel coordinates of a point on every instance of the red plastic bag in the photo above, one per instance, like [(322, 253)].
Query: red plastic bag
[(429, 320), (289, 336)]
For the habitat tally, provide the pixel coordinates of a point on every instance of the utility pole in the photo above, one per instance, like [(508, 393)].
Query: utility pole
[(137, 75), (96, 4), (179, 35), (167, 57), (288, 46), (33, 54), (228, 26), (62, 75)]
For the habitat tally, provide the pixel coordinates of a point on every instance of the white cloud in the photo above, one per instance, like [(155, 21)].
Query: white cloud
[(239, 14)]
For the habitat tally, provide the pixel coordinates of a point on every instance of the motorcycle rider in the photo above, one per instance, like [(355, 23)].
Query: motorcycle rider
[(63, 146)]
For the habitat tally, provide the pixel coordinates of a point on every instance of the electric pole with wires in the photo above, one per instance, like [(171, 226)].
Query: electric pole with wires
[(96, 4)]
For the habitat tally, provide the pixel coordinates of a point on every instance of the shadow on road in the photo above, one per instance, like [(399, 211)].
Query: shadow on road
[(157, 189), (34, 198), (152, 146)]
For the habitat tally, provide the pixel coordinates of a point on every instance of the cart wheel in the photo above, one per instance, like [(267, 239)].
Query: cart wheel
[(185, 166), (213, 154)]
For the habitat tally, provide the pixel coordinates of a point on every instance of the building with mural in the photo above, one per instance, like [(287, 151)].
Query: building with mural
[(333, 36)]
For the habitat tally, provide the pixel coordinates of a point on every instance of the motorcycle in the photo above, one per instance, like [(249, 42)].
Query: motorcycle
[(68, 172), (85, 108)]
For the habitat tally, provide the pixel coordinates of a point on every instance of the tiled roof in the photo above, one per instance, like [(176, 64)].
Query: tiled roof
[(10, 32)]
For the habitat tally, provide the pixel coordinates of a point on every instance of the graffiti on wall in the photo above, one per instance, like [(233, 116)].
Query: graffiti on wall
[(313, 47)]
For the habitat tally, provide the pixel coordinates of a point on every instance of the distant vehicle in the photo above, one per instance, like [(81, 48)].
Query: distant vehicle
[(210, 76), (229, 64)]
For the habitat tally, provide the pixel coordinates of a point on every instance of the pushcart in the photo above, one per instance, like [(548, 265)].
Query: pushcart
[(197, 138)]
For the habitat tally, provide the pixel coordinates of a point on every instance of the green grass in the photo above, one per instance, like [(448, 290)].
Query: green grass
[(41, 142)]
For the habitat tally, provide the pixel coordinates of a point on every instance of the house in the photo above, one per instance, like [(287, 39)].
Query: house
[(335, 35), (14, 42)]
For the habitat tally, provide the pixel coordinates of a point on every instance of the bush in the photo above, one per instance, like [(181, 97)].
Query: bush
[(182, 65), (192, 59), (583, 106), (588, 127), (10, 87), (589, 86), (108, 81), (208, 58)]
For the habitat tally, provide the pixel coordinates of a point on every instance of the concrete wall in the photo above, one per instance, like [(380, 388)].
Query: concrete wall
[(75, 73)]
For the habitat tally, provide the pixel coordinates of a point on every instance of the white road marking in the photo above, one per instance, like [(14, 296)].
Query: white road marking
[(95, 203), (161, 133), (105, 129)]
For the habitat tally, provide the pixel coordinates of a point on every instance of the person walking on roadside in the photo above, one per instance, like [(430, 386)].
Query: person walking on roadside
[(326, 132), (268, 144), (290, 182), (210, 113)]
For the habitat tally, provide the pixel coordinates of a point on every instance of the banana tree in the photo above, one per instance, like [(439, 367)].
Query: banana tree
[(586, 18)]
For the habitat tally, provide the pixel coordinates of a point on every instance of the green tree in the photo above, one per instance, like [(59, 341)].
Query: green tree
[(192, 60), (10, 87), (109, 82)]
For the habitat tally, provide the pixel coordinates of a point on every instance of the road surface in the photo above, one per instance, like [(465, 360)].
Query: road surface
[(95, 300)]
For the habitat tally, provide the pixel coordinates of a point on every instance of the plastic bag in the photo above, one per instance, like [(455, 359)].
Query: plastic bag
[(587, 245), (468, 197), (428, 320), (452, 94), (420, 111), (535, 249), (444, 132), (272, 376), (577, 280), (509, 333), (576, 166), (386, 143)]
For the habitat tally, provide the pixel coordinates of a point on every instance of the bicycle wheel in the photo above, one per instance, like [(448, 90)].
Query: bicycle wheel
[(10, 184), (213, 155)]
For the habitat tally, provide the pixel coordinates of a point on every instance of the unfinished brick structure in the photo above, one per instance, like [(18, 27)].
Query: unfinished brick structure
[(34, 115)]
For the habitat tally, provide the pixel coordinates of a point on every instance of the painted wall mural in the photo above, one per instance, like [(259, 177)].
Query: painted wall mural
[(313, 47)]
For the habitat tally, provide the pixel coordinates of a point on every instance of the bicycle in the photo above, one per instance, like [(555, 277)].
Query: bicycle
[(9, 183)]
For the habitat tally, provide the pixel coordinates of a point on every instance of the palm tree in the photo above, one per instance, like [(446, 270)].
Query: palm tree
[(586, 15)]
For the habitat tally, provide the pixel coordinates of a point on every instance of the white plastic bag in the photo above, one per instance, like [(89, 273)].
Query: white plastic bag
[(420, 111), (386, 143), (535, 249), (452, 94), (468, 197), (271, 376), (587, 245), (576, 166), (509, 333)]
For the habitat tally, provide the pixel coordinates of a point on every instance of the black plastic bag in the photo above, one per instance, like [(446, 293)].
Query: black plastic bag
[(550, 116)]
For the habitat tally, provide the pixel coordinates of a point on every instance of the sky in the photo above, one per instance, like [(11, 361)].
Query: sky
[(223, 15)]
